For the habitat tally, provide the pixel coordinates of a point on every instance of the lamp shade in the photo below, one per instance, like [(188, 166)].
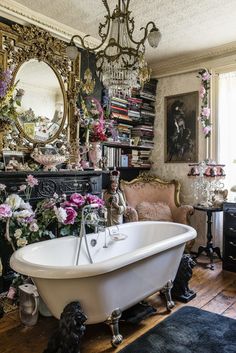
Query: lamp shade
[(71, 51), (154, 37)]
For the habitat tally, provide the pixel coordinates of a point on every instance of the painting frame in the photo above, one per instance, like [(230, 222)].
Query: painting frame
[(181, 128)]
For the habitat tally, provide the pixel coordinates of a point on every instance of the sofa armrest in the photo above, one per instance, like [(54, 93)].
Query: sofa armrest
[(131, 214), (182, 214)]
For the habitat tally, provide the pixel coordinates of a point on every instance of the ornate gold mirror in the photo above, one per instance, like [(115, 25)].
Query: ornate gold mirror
[(43, 112), (48, 80)]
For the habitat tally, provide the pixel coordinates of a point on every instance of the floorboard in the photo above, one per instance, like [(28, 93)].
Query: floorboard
[(216, 292)]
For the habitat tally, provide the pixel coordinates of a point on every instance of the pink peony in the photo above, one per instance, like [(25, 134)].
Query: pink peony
[(207, 130), (5, 211), (68, 204), (202, 91), (206, 76), (70, 215), (32, 181), (77, 199), (94, 199), (206, 111)]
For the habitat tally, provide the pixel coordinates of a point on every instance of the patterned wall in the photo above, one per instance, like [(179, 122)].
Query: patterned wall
[(168, 86)]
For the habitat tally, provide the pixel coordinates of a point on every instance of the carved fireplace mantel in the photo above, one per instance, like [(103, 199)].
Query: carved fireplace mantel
[(60, 182)]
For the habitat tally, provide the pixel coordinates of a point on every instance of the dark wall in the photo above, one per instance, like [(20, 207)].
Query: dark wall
[(92, 65)]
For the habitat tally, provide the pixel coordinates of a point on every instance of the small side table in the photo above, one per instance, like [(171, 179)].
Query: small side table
[(209, 249)]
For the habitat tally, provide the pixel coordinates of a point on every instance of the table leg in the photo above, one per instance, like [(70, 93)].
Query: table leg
[(209, 249)]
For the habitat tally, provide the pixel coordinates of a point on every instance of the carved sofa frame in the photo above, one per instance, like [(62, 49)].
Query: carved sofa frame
[(150, 188)]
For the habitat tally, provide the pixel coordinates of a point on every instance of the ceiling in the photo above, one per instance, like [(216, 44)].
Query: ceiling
[(187, 26)]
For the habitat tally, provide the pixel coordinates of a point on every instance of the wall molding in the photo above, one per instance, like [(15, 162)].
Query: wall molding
[(23, 15), (216, 56)]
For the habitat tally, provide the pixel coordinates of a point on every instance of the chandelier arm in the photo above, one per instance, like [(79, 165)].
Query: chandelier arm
[(104, 37), (142, 28), (107, 7)]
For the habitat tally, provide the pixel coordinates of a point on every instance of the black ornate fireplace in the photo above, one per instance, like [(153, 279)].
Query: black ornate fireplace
[(60, 182)]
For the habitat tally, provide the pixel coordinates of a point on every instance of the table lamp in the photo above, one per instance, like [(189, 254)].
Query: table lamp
[(207, 182)]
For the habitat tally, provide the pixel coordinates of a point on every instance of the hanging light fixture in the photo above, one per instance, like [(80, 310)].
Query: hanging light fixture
[(120, 62)]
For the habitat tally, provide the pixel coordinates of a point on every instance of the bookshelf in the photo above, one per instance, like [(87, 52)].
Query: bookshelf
[(133, 122)]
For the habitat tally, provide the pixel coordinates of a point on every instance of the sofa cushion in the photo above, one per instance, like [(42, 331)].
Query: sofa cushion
[(154, 211)]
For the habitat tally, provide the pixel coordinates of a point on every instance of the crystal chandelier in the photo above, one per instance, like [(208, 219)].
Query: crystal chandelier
[(120, 62)]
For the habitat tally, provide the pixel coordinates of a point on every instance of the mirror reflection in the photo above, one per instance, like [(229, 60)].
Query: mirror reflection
[(42, 103)]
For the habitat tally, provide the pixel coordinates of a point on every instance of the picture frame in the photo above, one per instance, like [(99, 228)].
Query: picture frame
[(181, 129), (12, 159)]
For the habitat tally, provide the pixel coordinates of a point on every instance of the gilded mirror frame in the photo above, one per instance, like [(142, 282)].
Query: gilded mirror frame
[(19, 44)]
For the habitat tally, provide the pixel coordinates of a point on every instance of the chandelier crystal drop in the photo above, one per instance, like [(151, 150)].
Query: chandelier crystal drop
[(120, 61)]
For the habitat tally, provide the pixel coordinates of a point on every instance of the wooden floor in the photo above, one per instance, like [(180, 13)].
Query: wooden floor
[(216, 292)]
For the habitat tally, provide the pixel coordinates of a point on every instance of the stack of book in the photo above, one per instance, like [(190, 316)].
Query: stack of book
[(149, 90), (119, 109), (140, 158), (143, 135), (147, 113), (134, 109), (124, 133)]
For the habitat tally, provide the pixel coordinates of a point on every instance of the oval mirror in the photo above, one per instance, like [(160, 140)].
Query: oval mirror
[(42, 112)]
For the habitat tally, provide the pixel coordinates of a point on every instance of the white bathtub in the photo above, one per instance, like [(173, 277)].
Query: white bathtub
[(122, 274)]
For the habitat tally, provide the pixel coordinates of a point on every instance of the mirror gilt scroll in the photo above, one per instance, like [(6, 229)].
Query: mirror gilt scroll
[(47, 81)]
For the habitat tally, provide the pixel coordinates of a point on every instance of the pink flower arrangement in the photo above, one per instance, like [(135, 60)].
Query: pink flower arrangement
[(31, 181), (68, 212), (18, 215), (77, 199), (91, 199), (205, 110), (5, 211), (93, 120), (25, 225), (70, 215), (202, 91)]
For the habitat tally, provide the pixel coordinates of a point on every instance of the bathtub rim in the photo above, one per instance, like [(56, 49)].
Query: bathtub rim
[(21, 265)]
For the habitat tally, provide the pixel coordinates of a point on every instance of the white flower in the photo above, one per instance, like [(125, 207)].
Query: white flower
[(55, 195), (18, 233), (22, 215), (2, 187), (25, 206), (60, 214), (21, 242), (14, 201), (33, 227)]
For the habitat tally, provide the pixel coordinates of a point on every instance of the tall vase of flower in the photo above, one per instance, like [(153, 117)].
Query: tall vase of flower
[(9, 101), (95, 154), (93, 122)]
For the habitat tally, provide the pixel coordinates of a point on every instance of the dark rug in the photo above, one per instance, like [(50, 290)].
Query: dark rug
[(188, 330)]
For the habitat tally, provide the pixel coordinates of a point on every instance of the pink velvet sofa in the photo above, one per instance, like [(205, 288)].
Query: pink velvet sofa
[(149, 198)]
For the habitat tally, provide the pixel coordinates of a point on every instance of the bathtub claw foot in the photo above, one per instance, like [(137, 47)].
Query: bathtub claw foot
[(167, 293), (113, 322)]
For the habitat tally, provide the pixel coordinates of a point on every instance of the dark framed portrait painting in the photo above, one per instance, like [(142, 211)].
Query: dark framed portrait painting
[(181, 133)]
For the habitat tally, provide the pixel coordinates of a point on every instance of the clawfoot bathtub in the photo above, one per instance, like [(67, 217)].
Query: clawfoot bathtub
[(123, 272)]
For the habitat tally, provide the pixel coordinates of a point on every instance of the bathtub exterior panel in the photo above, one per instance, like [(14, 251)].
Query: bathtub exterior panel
[(122, 274)]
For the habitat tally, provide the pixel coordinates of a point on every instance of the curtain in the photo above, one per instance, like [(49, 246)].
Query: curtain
[(226, 140), (227, 127)]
